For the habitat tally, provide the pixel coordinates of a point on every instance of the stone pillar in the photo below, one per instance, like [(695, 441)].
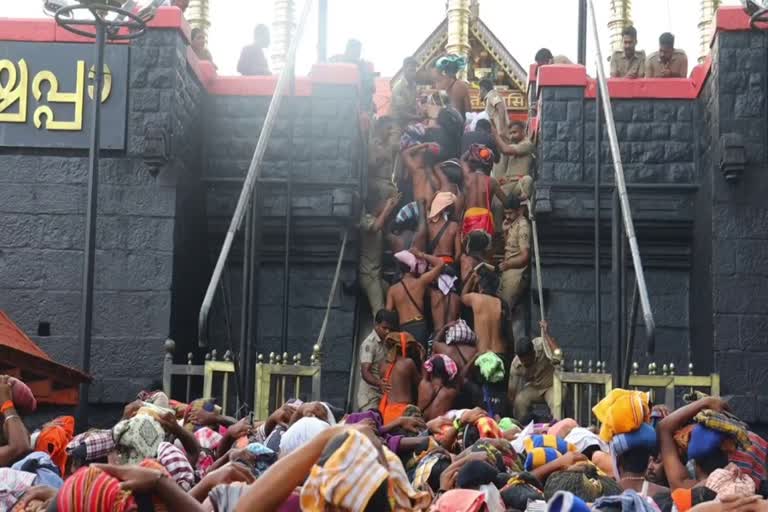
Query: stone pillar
[(621, 16), (706, 18), (458, 27), (283, 29), (198, 14)]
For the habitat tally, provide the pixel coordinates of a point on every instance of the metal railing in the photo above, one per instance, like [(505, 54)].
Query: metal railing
[(577, 391), (253, 175), (626, 212), (280, 378)]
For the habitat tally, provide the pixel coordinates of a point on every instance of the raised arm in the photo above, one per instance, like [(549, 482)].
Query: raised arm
[(13, 427), (409, 157), (469, 287), (277, 483), (677, 474), (432, 274), (389, 207)]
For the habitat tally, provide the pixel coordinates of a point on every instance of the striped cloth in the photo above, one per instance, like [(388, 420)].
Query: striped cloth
[(92, 445), (537, 457), (752, 461), (177, 464), (726, 423), (13, 484), (547, 441), (92, 490)]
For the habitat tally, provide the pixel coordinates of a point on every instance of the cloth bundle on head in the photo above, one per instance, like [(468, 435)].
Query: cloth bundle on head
[(414, 264), (264, 457), (300, 433), (451, 62), (177, 464), (507, 424), (54, 438), (621, 411), (643, 438), (564, 501), (408, 213), (480, 155), (349, 474), (583, 439), (491, 367), (547, 441), (441, 201), (449, 364), (704, 441), (23, 399), (41, 465), (730, 481), (487, 428), (460, 334), (138, 438), (537, 457), (562, 427), (91, 446), (157, 398), (725, 423), (208, 439), (752, 460), (374, 416), (412, 135), (584, 480), (13, 484), (520, 490), (92, 490), (205, 404), (682, 438), (628, 501)]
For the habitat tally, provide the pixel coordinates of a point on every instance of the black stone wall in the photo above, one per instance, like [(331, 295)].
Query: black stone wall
[(317, 137), (656, 143), (42, 207), (735, 100)]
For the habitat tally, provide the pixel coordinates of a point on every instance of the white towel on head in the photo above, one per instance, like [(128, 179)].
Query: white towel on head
[(300, 433), (582, 439), (331, 417)]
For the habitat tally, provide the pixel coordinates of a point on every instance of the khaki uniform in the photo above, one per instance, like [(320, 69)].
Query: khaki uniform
[(518, 172), (404, 102), (677, 65), (371, 249), (517, 239), (492, 99), (371, 351), (530, 384), (621, 66)]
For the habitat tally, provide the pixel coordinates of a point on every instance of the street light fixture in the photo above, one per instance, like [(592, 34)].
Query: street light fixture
[(104, 20)]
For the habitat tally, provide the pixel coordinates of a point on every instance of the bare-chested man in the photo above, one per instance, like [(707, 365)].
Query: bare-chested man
[(437, 389), (450, 177), (488, 311), (418, 161), (479, 189), (477, 249), (447, 80), (402, 373), (444, 241), (462, 352), (407, 296)]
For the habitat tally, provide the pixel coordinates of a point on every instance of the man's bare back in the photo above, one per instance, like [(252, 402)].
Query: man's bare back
[(461, 354), (420, 174), (404, 380), (398, 299), (435, 399), (459, 94), (449, 243), (487, 314)]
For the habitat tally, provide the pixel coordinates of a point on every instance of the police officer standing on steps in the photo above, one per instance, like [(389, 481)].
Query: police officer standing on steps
[(514, 266)]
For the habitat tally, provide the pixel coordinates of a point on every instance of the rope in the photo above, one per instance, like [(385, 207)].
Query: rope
[(323, 328)]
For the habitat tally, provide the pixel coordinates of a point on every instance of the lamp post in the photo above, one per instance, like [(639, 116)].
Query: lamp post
[(101, 22)]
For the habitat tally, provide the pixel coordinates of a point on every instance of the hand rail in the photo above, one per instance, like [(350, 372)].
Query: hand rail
[(629, 227), (254, 172)]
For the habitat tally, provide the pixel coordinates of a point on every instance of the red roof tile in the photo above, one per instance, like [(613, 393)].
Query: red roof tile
[(13, 337)]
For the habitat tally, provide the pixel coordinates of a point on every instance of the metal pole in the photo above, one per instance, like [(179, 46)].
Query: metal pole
[(322, 31), (537, 255), (598, 169), (630, 336), (89, 259), (253, 312), (629, 227), (288, 219), (582, 42), (246, 306), (617, 276), (254, 172)]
